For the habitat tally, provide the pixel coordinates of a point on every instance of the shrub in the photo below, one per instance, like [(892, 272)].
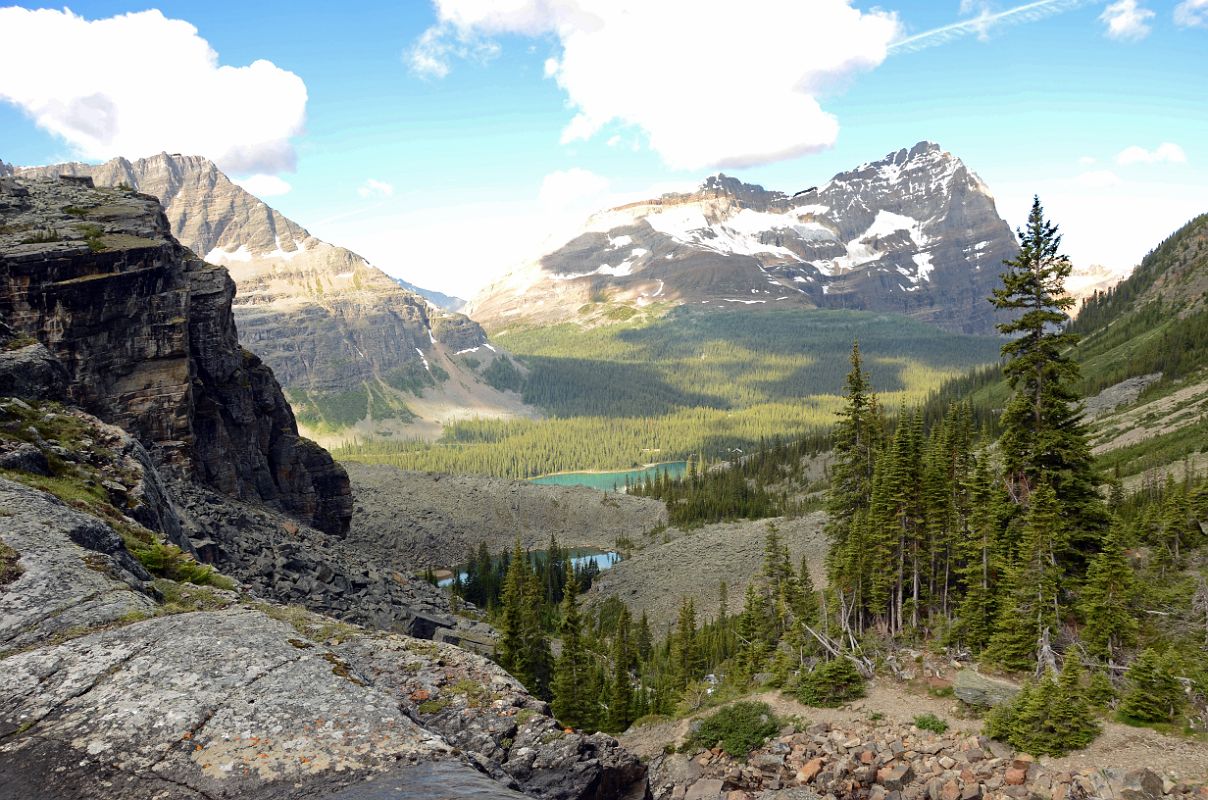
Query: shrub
[(831, 684), (10, 570), (930, 722), (1100, 692), (739, 727), (1153, 694), (1049, 716)]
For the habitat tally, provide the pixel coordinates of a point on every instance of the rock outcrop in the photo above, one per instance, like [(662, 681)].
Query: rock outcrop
[(112, 685), (351, 345), (145, 332), (914, 233)]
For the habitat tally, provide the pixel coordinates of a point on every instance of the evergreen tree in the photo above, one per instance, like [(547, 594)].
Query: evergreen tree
[(1154, 693), (570, 705), (979, 567), (620, 695), (856, 439), (512, 628), (1043, 437), (1033, 584), (1106, 602), (523, 647), (1049, 716), (645, 642), (1072, 723), (685, 659)]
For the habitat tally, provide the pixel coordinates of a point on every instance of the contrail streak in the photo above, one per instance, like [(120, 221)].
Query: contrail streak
[(1028, 12)]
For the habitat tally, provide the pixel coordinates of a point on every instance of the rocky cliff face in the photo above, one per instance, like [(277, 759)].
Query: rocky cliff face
[(350, 345), (915, 233), (127, 668), (146, 334)]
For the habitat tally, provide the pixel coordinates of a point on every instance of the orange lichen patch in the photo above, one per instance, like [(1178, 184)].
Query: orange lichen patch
[(420, 695)]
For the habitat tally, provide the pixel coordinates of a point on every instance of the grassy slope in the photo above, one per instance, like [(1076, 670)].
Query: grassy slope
[(689, 382)]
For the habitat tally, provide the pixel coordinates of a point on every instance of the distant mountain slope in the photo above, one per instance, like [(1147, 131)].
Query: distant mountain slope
[(350, 345), (1143, 358), (438, 299), (1155, 320), (915, 233)]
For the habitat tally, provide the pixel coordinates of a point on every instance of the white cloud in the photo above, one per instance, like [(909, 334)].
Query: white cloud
[(375, 188), (429, 57), (571, 187), (1192, 14), (264, 185), (136, 84), (1098, 179), (1126, 20), (1167, 152), (644, 64)]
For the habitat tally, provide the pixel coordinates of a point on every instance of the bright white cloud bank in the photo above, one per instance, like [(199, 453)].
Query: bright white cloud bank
[(1126, 19), (665, 66), (1167, 152), (136, 84)]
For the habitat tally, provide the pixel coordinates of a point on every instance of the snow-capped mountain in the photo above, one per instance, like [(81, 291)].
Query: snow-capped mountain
[(916, 233), (346, 341)]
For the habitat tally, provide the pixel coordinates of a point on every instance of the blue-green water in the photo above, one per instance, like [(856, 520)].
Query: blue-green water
[(578, 557), (612, 481)]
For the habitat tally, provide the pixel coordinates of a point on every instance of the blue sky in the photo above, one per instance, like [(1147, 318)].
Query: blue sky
[(448, 168)]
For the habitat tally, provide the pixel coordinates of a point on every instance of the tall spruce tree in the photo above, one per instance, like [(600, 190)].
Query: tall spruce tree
[(620, 694), (1043, 437), (512, 627), (571, 672), (856, 439)]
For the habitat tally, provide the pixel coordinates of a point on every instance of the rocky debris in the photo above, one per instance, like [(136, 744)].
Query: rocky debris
[(894, 762), (653, 578), (914, 233), (976, 689), (272, 554), (1123, 393), (105, 692), (323, 318), (412, 520), (277, 558), (145, 332)]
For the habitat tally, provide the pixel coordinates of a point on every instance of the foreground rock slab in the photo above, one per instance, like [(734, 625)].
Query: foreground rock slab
[(106, 691)]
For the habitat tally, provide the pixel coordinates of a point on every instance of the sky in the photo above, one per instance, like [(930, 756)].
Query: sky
[(447, 141)]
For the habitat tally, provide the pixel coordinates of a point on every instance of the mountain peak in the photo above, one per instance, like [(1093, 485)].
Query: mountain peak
[(914, 232)]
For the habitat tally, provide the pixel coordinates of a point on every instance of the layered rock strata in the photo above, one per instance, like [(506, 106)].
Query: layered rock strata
[(147, 337)]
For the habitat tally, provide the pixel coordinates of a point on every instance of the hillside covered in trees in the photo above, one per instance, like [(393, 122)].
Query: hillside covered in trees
[(1008, 548)]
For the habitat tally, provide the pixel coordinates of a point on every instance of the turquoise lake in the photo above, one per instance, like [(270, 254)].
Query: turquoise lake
[(578, 557), (612, 481)]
